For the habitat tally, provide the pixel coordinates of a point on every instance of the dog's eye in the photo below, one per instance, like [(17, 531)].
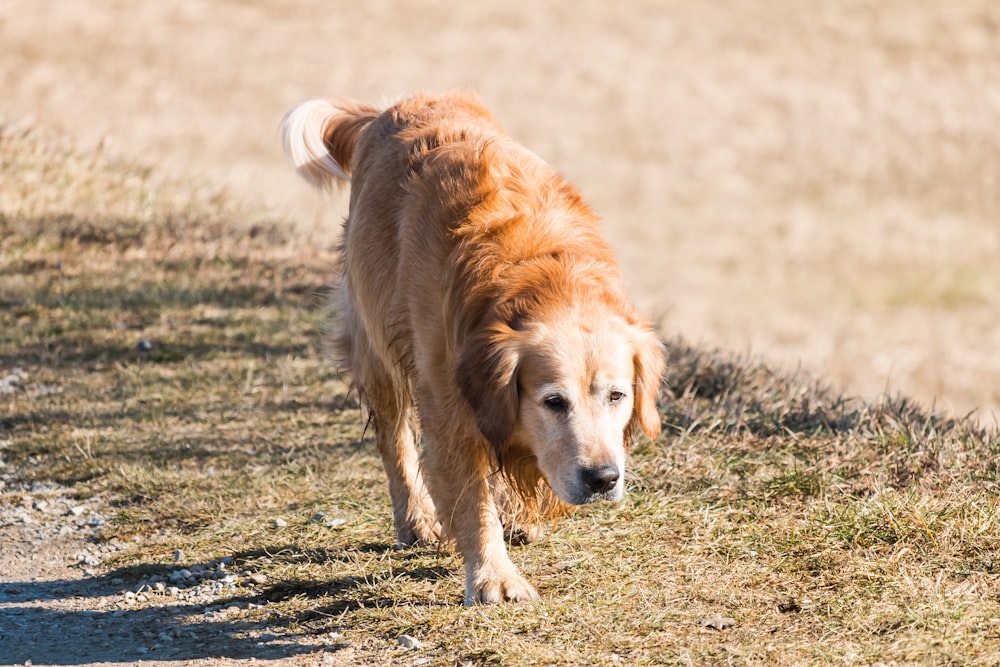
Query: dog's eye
[(616, 396), (556, 403)]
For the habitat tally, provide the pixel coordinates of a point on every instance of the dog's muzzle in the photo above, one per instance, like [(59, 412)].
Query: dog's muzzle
[(601, 480)]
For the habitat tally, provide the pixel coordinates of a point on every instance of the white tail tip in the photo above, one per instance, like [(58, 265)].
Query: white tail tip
[(302, 132)]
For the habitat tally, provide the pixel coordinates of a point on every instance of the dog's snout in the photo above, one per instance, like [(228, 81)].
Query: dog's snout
[(601, 479)]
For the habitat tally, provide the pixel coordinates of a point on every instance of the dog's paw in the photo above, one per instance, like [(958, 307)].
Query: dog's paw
[(494, 590), (519, 534), (421, 530)]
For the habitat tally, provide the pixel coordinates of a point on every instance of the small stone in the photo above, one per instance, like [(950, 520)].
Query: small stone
[(117, 581), (280, 523), (144, 345), (257, 578), (717, 622), (409, 642), (179, 556), (159, 586), (88, 559), (173, 591), (77, 510), (328, 519)]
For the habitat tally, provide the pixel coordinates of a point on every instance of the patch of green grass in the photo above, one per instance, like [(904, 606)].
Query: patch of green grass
[(962, 287), (831, 530)]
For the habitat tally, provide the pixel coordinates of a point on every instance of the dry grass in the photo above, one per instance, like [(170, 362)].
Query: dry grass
[(831, 530), (813, 181)]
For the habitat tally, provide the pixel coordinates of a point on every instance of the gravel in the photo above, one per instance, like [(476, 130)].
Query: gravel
[(62, 603)]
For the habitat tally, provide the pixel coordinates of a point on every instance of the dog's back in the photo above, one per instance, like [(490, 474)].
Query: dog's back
[(385, 155), (320, 137)]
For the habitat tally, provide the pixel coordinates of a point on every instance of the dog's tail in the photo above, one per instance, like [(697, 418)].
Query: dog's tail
[(319, 137)]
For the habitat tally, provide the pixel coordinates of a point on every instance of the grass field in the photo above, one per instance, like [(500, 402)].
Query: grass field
[(829, 530)]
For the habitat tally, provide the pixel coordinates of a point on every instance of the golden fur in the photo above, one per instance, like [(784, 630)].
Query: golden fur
[(479, 303)]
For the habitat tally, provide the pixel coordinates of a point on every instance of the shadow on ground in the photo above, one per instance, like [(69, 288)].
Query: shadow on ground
[(38, 621)]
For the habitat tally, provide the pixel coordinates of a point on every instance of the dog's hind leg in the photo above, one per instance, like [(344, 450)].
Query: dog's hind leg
[(518, 529), (413, 511)]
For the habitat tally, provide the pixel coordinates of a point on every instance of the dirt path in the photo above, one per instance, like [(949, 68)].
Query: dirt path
[(58, 606)]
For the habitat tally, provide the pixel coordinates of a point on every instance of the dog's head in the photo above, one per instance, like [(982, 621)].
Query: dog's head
[(571, 390)]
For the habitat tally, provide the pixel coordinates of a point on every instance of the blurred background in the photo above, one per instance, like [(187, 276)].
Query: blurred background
[(814, 183)]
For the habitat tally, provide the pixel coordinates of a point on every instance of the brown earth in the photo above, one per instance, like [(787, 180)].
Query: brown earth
[(814, 182)]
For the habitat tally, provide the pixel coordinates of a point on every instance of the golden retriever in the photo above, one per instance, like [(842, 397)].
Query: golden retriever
[(479, 304)]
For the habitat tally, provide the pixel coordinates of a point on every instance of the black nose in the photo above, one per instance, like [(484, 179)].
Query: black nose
[(601, 479)]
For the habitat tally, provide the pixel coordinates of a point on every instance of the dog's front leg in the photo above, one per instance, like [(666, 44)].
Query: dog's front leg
[(456, 474), (490, 576)]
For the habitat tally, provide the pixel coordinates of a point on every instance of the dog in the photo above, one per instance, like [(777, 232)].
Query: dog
[(480, 306)]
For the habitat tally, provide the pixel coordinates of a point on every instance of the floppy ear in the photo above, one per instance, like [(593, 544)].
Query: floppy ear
[(649, 365), (487, 377)]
